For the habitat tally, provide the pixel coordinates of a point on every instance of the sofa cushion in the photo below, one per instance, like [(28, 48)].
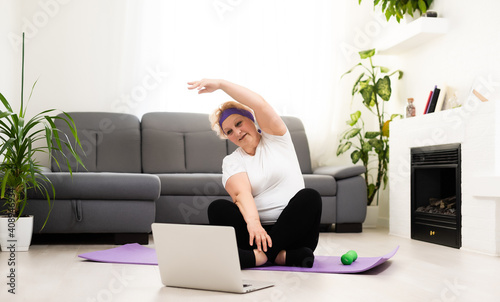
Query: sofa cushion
[(92, 216), (104, 136), (341, 172), (324, 184), (213, 152), (179, 143), (211, 184), (162, 151), (192, 184), (193, 147), (102, 186)]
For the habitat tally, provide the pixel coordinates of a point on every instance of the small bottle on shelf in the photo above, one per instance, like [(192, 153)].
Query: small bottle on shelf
[(410, 108)]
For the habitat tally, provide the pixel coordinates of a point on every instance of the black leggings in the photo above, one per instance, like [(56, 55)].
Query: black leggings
[(296, 227)]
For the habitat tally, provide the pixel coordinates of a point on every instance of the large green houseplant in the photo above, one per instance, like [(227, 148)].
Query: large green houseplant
[(398, 8), (20, 140), (370, 147)]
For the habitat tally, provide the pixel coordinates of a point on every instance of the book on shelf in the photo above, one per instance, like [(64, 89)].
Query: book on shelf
[(428, 102), (441, 98), (434, 99)]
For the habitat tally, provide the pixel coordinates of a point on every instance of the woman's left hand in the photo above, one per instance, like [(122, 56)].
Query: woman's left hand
[(205, 85), (258, 235)]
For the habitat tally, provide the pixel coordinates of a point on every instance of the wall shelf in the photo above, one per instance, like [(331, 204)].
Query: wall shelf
[(408, 36)]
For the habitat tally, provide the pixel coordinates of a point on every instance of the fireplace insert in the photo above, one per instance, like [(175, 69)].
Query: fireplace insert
[(436, 195)]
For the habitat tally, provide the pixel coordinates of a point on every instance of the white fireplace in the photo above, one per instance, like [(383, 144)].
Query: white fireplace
[(476, 126)]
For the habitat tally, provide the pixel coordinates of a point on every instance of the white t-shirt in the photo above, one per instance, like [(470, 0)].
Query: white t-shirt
[(274, 174)]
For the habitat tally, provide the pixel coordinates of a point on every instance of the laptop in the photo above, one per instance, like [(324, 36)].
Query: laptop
[(200, 257)]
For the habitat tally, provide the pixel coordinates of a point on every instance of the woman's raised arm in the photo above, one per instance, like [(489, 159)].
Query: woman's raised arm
[(269, 121)]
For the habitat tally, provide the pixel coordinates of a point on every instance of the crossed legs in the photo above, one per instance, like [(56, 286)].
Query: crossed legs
[(295, 234)]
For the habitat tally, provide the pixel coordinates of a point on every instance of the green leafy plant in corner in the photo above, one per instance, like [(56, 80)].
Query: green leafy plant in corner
[(374, 87), (19, 139), (398, 8)]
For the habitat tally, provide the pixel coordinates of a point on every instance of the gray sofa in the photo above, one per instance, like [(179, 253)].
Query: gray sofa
[(167, 168)]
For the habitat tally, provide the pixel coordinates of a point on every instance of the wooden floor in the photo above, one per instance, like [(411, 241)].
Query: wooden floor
[(418, 272)]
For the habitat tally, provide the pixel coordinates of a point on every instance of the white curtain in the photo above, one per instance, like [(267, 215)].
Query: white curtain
[(286, 50)]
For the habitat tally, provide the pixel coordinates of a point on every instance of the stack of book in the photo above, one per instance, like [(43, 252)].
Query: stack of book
[(435, 100)]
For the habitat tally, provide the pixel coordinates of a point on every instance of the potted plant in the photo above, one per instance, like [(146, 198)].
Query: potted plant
[(20, 170), (371, 147), (398, 8)]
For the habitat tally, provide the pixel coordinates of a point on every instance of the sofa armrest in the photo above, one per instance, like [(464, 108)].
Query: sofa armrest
[(98, 186), (340, 172)]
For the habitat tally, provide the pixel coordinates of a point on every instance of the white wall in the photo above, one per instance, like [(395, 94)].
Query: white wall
[(73, 50), (10, 57)]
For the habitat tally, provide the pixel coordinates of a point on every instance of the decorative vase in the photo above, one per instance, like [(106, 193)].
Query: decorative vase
[(15, 234), (371, 217)]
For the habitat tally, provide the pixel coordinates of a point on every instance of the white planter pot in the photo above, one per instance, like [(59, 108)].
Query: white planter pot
[(15, 235), (371, 217)]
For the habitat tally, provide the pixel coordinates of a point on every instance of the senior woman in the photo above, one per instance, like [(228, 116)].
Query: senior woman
[(275, 218)]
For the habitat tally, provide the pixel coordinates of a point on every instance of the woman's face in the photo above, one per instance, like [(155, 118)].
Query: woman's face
[(241, 131)]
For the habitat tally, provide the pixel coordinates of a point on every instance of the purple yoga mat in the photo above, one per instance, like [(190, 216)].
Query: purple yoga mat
[(133, 253), (137, 254), (332, 264)]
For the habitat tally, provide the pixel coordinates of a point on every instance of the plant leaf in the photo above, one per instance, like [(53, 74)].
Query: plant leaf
[(377, 144), (422, 6), (352, 133), (371, 190), (343, 148), (355, 156), (395, 115), (400, 74), (368, 94), (372, 134), (5, 103), (366, 147), (383, 88), (4, 114), (356, 84), (409, 8), (350, 70), (385, 128), (383, 69), (354, 118), (367, 53)]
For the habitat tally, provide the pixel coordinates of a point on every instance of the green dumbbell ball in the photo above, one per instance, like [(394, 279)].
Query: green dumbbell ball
[(346, 259), (353, 254)]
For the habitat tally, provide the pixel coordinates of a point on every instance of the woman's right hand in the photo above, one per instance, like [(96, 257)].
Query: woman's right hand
[(239, 188), (258, 235), (205, 85)]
